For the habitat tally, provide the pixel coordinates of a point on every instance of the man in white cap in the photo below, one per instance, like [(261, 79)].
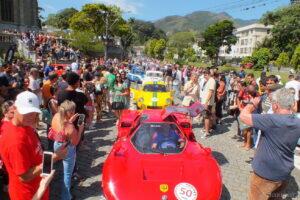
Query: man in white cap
[(21, 150)]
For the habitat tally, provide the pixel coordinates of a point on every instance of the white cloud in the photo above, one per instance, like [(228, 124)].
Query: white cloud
[(125, 5)]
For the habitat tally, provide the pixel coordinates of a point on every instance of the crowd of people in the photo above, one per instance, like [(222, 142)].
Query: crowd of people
[(262, 107)]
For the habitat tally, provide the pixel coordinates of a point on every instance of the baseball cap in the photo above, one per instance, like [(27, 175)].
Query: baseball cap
[(27, 102)]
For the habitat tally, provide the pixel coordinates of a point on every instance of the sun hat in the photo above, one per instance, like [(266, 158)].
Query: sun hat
[(27, 102)]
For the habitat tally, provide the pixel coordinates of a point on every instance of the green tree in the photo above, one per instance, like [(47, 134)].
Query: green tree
[(159, 49), (295, 61), (189, 55), (149, 48), (285, 31), (86, 42), (61, 19), (247, 59), (144, 31), (282, 60), (261, 58), (217, 35), (180, 41)]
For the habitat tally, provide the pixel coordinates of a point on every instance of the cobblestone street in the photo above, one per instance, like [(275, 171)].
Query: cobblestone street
[(235, 169)]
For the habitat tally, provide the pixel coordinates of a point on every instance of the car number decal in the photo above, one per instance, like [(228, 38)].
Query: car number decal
[(185, 191), (154, 103), (164, 188)]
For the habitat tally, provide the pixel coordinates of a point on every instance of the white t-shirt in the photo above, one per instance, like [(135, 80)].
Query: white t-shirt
[(210, 85), (74, 67), (34, 84), (295, 85), (177, 80)]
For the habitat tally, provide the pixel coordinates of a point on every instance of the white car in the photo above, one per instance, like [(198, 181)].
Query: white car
[(153, 76)]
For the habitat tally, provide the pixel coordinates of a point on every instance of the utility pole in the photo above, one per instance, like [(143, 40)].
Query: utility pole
[(106, 36)]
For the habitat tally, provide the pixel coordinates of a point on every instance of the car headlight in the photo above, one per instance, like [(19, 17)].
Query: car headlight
[(168, 101), (141, 99)]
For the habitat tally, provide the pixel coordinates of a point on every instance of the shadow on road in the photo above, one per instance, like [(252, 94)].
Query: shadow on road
[(225, 194), (221, 159)]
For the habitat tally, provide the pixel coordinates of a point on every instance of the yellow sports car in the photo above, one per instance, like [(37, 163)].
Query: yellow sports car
[(152, 95)]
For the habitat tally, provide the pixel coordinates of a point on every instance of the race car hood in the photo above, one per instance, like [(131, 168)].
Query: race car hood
[(152, 177), (155, 98)]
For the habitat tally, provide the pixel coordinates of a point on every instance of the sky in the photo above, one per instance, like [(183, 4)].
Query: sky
[(151, 10)]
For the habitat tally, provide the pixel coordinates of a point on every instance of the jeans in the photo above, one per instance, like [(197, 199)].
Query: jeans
[(176, 88), (68, 166)]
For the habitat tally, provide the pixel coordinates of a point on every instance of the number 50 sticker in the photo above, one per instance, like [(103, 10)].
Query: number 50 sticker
[(185, 191)]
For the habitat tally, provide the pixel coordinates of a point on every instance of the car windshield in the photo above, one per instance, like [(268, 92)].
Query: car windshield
[(153, 74), (155, 88), (161, 138)]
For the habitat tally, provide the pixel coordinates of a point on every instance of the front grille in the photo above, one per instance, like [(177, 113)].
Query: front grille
[(154, 107)]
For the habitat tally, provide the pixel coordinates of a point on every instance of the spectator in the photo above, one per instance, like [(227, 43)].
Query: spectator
[(191, 91), (71, 94), (208, 99), (46, 94), (274, 158), (221, 95), (242, 73), (126, 84), (21, 149), (62, 84), (177, 81), (61, 132), (34, 84), (295, 85), (111, 78), (100, 97), (120, 91)]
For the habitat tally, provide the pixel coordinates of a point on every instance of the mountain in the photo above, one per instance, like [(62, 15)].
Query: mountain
[(196, 21)]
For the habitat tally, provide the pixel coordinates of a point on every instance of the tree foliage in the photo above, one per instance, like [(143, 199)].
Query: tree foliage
[(282, 60), (181, 40), (155, 48), (285, 31), (261, 58), (61, 19), (247, 59), (144, 31), (86, 42), (217, 35), (295, 61)]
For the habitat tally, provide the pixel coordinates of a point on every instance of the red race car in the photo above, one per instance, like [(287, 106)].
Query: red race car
[(156, 156)]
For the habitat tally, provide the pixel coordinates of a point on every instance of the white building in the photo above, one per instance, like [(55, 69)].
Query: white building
[(248, 38)]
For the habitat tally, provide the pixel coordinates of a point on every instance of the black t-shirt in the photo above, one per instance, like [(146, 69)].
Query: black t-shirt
[(88, 76), (169, 72), (78, 98)]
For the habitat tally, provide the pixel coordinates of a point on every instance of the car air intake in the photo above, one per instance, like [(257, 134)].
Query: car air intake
[(125, 124)]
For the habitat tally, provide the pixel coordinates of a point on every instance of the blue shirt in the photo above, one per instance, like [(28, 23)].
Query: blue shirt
[(274, 158), (171, 137)]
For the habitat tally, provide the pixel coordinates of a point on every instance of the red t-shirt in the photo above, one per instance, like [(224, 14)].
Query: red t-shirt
[(20, 150)]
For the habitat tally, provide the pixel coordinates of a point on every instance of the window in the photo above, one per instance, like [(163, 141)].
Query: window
[(158, 138), (155, 88), (7, 10)]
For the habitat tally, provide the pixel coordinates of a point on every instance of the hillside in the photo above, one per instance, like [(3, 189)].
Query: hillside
[(196, 21)]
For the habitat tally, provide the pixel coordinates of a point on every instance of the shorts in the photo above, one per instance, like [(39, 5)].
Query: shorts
[(208, 112)]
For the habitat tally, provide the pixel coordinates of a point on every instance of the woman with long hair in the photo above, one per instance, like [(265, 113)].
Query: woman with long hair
[(121, 91), (64, 133), (221, 94)]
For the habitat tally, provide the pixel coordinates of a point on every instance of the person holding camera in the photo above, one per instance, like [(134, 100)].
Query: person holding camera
[(64, 133), (21, 150)]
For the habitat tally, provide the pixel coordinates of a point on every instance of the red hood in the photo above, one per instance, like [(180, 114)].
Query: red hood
[(131, 175)]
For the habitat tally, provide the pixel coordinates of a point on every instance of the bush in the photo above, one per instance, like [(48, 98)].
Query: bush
[(261, 58)]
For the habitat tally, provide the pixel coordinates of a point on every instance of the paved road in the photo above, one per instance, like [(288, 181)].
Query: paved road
[(232, 159)]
